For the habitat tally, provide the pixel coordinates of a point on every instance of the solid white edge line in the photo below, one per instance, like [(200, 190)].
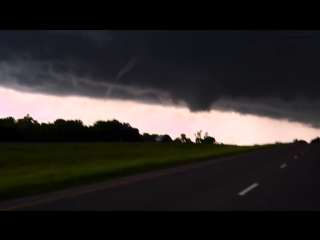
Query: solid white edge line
[(248, 189)]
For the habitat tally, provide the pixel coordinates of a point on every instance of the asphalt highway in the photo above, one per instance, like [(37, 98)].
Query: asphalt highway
[(282, 178)]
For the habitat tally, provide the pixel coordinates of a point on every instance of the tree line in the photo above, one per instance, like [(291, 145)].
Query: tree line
[(28, 129), (316, 140)]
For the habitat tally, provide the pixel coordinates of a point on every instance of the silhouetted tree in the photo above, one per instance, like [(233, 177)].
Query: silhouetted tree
[(299, 141), (208, 139), (166, 138), (114, 131), (27, 128), (205, 135), (146, 137), (316, 140), (198, 137), (183, 137), (9, 129)]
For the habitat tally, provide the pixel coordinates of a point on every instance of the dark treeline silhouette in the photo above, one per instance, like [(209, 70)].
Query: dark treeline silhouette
[(198, 139), (28, 129), (164, 138), (205, 139), (299, 141), (146, 137), (183, 138), (316, 140)]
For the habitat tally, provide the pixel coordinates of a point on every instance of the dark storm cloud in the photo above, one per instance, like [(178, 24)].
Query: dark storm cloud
[(267, 73), (300, 110)]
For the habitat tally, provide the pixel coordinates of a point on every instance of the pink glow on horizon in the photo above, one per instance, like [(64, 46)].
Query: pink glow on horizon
[(226, 127)]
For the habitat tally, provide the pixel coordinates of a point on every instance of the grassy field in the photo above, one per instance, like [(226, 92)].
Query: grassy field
[(27, 169)]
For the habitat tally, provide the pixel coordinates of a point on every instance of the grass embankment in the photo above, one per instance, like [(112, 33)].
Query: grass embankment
[(28, 169)]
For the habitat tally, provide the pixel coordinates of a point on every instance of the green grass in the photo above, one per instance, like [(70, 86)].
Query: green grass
[(28, 169)]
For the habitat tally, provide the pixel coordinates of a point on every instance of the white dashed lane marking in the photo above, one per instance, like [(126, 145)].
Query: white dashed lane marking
[(245, 191), (283, 166)]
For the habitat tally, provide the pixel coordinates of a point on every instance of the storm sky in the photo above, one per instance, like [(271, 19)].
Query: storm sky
[(265, 73)]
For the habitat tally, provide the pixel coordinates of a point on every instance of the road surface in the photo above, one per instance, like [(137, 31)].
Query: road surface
[(283, 178)]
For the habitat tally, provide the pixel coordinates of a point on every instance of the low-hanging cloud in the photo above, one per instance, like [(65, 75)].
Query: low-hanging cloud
[(266, 73)]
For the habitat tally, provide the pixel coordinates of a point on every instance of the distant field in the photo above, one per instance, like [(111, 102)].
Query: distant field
[(27, 169)]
